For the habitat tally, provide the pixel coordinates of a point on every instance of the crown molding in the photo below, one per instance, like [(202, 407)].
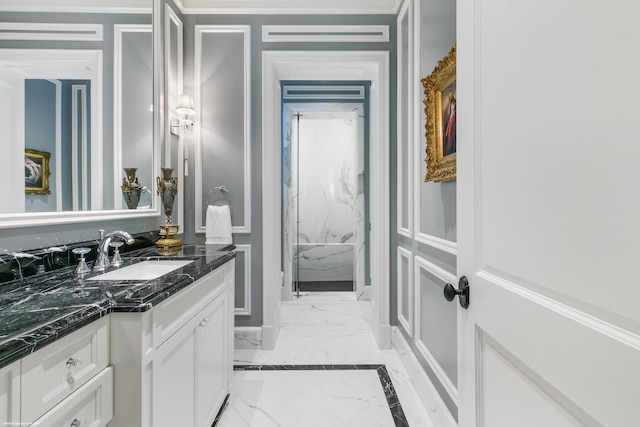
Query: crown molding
[(289, 7), (77, 6)]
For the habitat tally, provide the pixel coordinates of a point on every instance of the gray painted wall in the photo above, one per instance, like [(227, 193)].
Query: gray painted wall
[(235, 179), (437, 215)]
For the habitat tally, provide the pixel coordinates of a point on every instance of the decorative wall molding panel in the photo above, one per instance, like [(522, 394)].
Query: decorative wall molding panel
[(47, 31), (325, 33), (201, 31), (435, 242), (422, 347), (406, 292), (119, 32), (405, 129), (355, 93), (245, 310), (176, 148)]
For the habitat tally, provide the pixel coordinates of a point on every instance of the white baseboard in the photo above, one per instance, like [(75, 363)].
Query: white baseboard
[(431, 400), (247, 338)]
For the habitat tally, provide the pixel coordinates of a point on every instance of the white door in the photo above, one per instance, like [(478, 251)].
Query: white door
[(549, 212)]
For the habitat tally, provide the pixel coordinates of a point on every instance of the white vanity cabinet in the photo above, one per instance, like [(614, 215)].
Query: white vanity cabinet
[(10, 394), (66, 383), (173, 363)]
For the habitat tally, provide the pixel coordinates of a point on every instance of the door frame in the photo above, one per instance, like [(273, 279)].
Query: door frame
[(326, 65)]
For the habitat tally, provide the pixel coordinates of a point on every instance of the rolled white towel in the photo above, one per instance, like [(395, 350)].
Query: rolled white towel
[(218, 225)]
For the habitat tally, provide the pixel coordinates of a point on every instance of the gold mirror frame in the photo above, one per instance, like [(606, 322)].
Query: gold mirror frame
[(38, 161), (441, 157)]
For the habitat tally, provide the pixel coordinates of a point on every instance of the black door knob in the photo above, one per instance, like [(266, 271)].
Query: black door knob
[(462, 292)]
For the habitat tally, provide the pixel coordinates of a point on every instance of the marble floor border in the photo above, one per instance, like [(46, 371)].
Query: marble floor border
[(395, 407)]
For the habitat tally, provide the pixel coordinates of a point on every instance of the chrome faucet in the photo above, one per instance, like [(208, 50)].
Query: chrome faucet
[(102, 258)]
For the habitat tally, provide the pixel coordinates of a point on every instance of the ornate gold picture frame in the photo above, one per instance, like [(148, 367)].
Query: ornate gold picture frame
[(440, 109), (36, 172)]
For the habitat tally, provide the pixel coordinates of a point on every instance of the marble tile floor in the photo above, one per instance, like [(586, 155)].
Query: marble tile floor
[(326, 370)]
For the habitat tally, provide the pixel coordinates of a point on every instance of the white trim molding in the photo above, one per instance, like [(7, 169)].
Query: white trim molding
[(245, 30), (405, 287), (423, 350), (77, 6), (58, 160), (245, 310), (427, 393), (173, 89), (323, 65), (405, 128), (326, 33), (79, 147), (435, 242), (50, 31)]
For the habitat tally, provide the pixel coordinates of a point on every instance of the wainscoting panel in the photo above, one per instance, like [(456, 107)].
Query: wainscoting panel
[(243, 280), (436, 324), (405, 290)]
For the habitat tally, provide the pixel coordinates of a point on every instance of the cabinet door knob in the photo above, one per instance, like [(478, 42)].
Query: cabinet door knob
[(78, 423), (73, 363), (70, 380)]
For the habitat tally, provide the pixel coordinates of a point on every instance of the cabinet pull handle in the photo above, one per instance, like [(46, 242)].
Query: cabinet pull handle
[(72, 363), (78, 423)]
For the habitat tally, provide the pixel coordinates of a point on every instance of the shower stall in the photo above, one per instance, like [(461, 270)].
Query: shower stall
[(323, 197)]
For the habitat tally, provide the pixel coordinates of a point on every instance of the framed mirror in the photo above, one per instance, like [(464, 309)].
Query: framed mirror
[(77, 85)]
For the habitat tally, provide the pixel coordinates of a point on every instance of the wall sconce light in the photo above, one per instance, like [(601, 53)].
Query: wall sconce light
[(183, 126)]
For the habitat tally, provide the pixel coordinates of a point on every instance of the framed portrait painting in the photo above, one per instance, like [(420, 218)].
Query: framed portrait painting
[(36, 172), (440, 109)]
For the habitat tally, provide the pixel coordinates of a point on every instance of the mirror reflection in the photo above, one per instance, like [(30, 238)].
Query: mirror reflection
[(76, 96)]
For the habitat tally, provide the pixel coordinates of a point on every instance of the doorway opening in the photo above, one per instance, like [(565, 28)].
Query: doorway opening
[(324, 186), (316, 65)]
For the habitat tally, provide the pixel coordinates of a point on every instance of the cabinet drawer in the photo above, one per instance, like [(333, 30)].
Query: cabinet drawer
[(51, 374), (174, 312), (90, 406)]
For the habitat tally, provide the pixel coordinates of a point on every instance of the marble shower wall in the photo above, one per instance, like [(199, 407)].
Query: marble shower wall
[(288, 206), (327, 191)]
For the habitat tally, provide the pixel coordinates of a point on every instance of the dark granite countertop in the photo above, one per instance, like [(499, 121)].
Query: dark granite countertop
[(37, 310)]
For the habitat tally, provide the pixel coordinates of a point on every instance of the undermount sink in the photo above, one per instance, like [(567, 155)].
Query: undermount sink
[(145, 270)]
